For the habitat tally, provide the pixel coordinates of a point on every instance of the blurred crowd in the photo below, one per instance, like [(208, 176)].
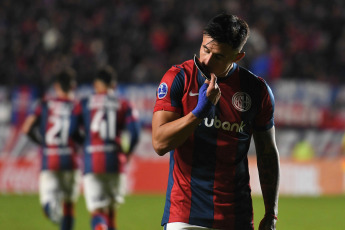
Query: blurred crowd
[(302, 39)]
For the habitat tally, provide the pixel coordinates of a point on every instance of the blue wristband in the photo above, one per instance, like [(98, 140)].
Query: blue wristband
[(204, 106)]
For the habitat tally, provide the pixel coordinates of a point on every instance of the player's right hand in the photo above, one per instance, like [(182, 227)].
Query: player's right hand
[(213, 92), (205, 105), (268, 223)]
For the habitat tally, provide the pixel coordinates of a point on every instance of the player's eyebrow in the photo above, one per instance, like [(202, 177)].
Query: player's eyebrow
[(205, 47), (218, 54)]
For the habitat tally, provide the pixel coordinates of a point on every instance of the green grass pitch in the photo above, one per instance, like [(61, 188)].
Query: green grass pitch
[(22, 212)]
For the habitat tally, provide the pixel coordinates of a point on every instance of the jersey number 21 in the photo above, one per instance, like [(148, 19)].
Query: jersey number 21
[(57, 133)]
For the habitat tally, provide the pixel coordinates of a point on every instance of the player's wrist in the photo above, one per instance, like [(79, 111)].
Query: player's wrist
[(204, 106), (204, 110)]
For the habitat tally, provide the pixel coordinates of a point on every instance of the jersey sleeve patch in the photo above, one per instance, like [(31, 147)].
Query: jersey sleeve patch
[(162, 90)]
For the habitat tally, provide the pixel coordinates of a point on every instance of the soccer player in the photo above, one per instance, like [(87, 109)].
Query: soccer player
[(207, 126), (49, 124), (103, 115)]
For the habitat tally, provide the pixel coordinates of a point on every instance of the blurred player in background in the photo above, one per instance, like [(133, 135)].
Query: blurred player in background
[(103, 116), (49, 124), (207, 127)]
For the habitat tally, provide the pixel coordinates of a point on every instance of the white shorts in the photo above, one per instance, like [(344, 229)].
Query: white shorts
[(104, 190), (184, 226), (57, 186)]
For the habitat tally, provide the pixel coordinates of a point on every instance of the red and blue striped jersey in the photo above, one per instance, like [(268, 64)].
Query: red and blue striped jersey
[(208, 181), (59, 151), (103, 117)]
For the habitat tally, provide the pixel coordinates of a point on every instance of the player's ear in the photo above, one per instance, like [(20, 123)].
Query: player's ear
[(239, 56)]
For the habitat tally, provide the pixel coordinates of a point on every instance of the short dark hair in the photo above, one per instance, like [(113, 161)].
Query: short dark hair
[(66, 79), (229, 29), (107, 75)]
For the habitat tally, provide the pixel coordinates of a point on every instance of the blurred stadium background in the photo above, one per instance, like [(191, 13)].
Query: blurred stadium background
[(298, 47)]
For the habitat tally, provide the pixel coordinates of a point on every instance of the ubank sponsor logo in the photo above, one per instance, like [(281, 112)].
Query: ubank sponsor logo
[(225, 125)]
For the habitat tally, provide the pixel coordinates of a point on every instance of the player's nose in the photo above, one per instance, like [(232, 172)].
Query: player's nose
[(206, 59)]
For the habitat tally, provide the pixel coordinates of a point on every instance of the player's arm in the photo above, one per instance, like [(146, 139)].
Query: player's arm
[(170, 130), (29, 128), (268, 166)]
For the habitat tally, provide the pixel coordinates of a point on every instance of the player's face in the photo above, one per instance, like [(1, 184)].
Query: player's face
[(99, 86), (218, 57)]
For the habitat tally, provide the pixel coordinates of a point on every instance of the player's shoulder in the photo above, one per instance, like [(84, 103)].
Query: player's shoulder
[(251, 78), (187, 65), (44, 101), (182, 69)]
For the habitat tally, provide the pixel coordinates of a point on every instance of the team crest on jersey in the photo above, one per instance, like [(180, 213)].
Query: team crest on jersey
[(162, 90), (241, 101)]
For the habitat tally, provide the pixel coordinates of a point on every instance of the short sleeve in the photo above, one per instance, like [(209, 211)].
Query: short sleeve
[(170, 91), (264, 119)]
